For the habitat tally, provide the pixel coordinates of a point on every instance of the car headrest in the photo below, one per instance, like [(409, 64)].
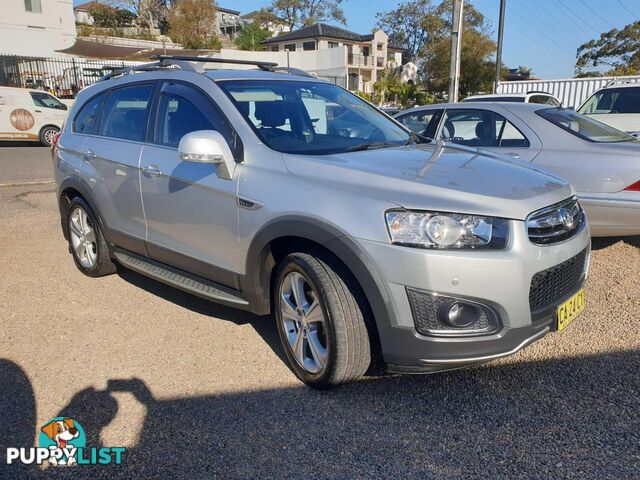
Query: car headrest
[(271, 114), (483, 130)]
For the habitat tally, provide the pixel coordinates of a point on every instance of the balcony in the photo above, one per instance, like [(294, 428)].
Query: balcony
[(358, 60)]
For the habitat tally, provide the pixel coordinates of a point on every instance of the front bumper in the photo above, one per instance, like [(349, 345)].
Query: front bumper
[(499, 279)]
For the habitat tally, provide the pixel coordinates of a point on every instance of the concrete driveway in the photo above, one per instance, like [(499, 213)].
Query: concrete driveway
[(196, 390)]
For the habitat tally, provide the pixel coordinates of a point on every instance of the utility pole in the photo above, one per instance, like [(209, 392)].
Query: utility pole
[(456, 44), (503, 4)]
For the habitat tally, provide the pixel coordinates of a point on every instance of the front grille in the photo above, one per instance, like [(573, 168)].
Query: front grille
[(555, 223), (550, 286)]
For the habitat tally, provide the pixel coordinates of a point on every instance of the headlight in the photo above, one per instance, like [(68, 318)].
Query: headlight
[(446, 230)]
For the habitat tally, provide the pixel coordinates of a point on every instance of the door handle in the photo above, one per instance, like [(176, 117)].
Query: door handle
[(514, 154), (151, 171), (38, 111), (89, 155)]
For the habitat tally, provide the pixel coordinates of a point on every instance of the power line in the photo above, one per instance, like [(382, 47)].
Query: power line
[(625, 7), (552, 29), (597, 14), (578, 17), (542, 47)]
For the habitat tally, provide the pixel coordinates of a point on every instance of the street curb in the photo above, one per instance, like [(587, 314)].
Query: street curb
[(26, 184)]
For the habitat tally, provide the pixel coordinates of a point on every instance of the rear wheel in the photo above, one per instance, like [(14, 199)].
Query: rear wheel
[(86, 242), (47, 134), (320, 323)]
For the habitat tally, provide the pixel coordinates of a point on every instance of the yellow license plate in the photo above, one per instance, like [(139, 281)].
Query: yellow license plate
[(569, 310)]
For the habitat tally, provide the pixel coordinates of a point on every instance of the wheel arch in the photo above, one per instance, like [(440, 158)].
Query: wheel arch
[(69, 189), (292, 233)]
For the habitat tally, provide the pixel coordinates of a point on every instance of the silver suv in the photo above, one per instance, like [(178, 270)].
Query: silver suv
[(281, 194)]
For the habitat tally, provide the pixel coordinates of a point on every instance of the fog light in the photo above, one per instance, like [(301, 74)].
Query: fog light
[(458, 315)]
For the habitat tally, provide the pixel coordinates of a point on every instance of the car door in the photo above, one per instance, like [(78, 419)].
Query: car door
[(191, 212), (488, 130), (111, 159), (48, 109), (17, 117)]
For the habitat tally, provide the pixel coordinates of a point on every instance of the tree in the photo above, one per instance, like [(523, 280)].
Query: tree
[(617, 49), (148, 13), (405, 25), (524, 71), (251, 37), (302, 13), (191, 22), (477, 67)]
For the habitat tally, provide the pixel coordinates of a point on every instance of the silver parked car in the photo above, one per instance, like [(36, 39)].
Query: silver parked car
[(363, 241), (602, 163)]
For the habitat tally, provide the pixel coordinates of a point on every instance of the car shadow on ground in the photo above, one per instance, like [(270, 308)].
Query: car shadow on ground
[(561, 418), (598, 243), (263, 325)]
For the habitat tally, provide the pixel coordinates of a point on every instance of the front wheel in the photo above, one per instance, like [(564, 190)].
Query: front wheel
[(320, 323), (47, 135)]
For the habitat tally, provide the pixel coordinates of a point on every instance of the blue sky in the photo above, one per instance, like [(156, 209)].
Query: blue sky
[(541, 34)]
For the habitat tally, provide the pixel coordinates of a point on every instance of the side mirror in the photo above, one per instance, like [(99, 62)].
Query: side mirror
[(62, 106), (207, 146)]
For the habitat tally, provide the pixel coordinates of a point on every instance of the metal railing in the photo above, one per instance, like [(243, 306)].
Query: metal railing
[(358, 60), (63, 76)]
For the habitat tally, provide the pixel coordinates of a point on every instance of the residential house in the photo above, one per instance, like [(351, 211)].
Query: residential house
[(82, 13), (36, 27), (228, 22), (365, 56), (274, 27)]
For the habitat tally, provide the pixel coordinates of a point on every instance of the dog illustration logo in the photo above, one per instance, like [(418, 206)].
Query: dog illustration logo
[(63, 436)]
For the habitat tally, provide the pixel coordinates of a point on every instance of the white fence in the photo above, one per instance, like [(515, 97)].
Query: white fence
[(571, 91)]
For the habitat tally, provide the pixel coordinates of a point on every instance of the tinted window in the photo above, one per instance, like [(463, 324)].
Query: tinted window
[(125, 112), (178, 116), (584, 127), (613, 100), (417, 122), (480, 128), (86, 118), (312, 118), (42, 99)]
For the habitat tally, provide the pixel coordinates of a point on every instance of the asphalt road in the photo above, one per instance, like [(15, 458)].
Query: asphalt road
[(196, 390), (24, 162)]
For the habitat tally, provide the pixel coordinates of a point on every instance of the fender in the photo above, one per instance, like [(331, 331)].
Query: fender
[(256, 281)]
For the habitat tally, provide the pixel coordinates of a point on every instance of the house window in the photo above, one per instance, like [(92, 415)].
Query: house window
[(291, 47), (380, 46), (33, 6), (309, 45), (333, 44), (275, 48)]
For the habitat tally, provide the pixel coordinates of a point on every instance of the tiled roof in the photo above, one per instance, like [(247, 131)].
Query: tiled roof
[(321, 30)]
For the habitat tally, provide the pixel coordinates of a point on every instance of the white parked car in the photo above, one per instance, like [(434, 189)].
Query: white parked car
[(602, 163), (542, 98), (30, 115), (617, 105)]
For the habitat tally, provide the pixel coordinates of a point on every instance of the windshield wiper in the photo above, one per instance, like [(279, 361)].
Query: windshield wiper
[(372, 146)]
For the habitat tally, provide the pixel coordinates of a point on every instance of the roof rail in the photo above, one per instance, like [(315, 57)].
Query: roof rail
[(267, 66), (146, 68)]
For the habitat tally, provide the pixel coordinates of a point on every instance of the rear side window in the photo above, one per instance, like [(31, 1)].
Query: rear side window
[(88, 114), (125, 113), (43, 99)]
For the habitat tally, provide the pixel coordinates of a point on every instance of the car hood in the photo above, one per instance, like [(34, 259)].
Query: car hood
[(439, 177)]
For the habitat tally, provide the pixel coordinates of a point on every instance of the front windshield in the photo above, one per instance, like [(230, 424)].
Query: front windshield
[(584, 127), (613, 100), (312, 117)]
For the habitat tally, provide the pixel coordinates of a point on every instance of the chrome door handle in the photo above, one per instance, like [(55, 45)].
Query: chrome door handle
[(151, 171), (89, 155)]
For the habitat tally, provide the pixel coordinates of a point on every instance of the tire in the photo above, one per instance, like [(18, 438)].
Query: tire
[(86, 242), (305, 288), (46, 135)]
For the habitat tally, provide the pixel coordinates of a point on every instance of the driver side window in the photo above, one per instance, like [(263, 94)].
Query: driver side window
[(480, 128)]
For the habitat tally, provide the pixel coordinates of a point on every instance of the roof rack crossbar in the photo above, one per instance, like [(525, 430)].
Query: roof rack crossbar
[(144, 68), (266, 66)]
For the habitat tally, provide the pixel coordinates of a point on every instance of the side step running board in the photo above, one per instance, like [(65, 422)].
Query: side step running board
[(200, 287)]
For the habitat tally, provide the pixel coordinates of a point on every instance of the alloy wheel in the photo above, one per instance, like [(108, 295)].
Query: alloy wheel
[(83, 238)]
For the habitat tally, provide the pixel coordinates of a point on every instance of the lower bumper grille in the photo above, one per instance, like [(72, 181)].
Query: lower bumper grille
[(550, 286)]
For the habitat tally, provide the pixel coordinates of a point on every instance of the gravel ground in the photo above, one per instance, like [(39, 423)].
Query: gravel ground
[(197, 390)]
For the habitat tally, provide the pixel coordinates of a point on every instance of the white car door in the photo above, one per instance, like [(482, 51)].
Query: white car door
[(17, 115)]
